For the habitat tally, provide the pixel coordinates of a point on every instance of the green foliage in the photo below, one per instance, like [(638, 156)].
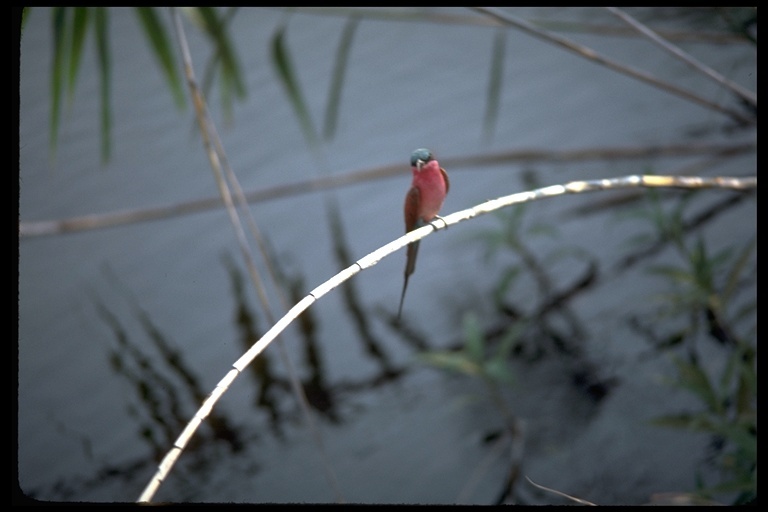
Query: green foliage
[(487, 356), (475, 358), (161, 46), (224, 58), (693, 285), (514, 236), (511, 233), (281, 59), (495, 81), (337, 80), (102, 50), (729, 414), (70, 27), (289, 78), (702, 287), (58, 68), (703, 284)]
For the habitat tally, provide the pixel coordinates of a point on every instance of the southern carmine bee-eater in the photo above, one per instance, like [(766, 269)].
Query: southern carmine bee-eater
[(422, 203)]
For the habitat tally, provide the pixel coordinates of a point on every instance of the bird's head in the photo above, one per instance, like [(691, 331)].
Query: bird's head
[(420, 157)]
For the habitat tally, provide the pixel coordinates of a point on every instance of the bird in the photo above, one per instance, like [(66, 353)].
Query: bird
[(422, 203)]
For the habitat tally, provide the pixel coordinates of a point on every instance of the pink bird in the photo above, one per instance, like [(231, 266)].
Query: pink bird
[(422, 203)]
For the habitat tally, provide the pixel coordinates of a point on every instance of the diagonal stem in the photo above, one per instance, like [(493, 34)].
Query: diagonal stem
[(588, 53), (745, 94)]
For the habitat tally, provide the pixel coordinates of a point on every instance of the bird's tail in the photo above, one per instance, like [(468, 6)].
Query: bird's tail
[(410, 266), (402, 297)]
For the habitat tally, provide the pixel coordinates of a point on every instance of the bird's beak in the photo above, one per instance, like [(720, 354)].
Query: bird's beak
[(420, 164)]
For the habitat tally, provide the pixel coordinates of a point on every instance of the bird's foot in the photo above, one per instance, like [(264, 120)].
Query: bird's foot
[(437, 217)]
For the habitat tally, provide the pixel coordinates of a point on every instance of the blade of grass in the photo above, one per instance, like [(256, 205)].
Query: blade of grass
[(79, 30), (156, 34), (494, 84), (230, 67), (739, 265), (59, 20), (212, 65), (281, 59), (694, 379), (337, 79), (102, 48), (231, 77)]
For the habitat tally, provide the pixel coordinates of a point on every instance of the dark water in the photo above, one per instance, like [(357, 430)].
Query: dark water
[(123, 331)]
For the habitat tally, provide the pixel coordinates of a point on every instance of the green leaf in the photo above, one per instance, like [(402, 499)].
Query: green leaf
[(337, 78), (156, 33), (79, 29), (736, 270), (505, 283), (282, 62), (703, 266), (510, 339), (498, 370), (683, 276), (693, 378), (473, 338), (450, 361), (58, 63), (231, 76), (495, 80), (698, 422), (746, 392), (740, 368), (102, 50), (745, 441)]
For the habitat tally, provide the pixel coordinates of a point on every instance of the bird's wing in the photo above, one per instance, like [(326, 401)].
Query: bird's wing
[(412, 200), (447, 181)]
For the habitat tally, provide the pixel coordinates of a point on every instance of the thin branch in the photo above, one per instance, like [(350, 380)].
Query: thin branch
[(577, 500), (374, 257), (204, 122), (130, 216), (592, 55), (217, 157), (745, 94), (409, 14)]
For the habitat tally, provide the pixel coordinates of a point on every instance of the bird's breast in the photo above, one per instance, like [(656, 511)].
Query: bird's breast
[(432, 194)]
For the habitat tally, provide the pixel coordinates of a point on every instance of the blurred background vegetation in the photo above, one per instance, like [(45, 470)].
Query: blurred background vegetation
[(710, 300)]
